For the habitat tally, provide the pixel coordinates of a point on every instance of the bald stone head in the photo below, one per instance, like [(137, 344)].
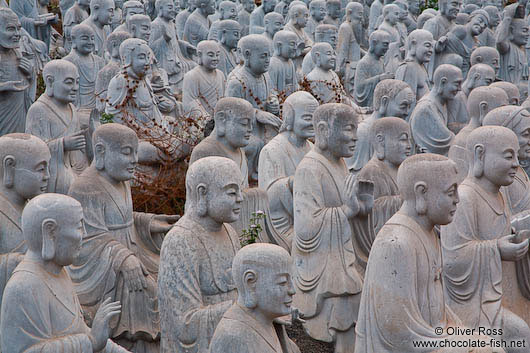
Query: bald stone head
[(379, 43), (452, 59), (285, 44), (131, 47), (83, 39), (327, 33), (10, 28), (133, 7), (255, 50), (424, 17), (208, 52), (62, 81), (511, 90), (354, 12), (139, 26), (519, 31), (486, 55), (114, 41), (494, 15), (393, 98), (229, 33), (273, 23), (449, 8), (102, 11), (420, 45), (391, 13), (391, 140), (233, 118), (484, 99), (297, 112), (298, 14), (480, 75), (317, 8), (447, 81), (323, 56), (336, 129)]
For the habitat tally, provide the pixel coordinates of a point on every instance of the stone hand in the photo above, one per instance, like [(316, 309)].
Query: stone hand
[(267, 118), (75, 142), (165, 105), (134, 274), (16, 86), (510, 250), (350, 189), (365, 195), (386, 76), (25, 65), (440, 44), (509, 11), (100, 332), (162, 223), (522, 235), (40, 21), (273, 107)]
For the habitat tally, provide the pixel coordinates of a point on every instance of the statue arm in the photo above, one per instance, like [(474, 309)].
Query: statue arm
[(116, 94), (409, 76), (502, 34), (343, 48), (429, 130), (19, 8)]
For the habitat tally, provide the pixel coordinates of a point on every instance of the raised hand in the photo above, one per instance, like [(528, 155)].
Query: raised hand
[(75, 142), (162, 223), (510, 250), (25, 65), (134, 274), (16, 86), (365, 196), (351, 202), (100, 332)]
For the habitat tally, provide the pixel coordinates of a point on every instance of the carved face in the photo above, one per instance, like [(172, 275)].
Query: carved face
[(452, 86), (249, 5), (210, 57), (342, 137), (330, 37), (209, 7), (442, 198), (519, 29), (424, 50), (301, 17), (71, 229), (492, 60), (450, 8), (168, 11), (229, 11), (274, 25), (288, 49), (495, 19), (501, 162), (133, 11), (522, 130), (303, 120), (65, 85), (327, 59), (268, 5), (105, 12), (141, 60), (381, 46), (238, 131), (397, 146), (333, 10), (274, 290), (259, 60), (84, 42), (485, 79), (404, 11), (142, 31), (414, 7), (318, 12), (478, 24), (401, 104), (393, 15), (231, 37), (31, 173), (357, 15), (10, 32), (224, 198), (121, 158)]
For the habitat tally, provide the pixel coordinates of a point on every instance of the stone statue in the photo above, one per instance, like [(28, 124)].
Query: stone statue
[(23, 175), (35, 18), (282, 68), (480, 101), (323, 33), (262, 276), (247, 6), (280, 157), (486, 55), (74, 16), (429, 120), (120, 254), (88, 65), (251, 82), (376, 10), (117, 18), (130, 8), (349, 46), (229, 34), (227, 11), (392, 98), (272, 23), (16, 75), (54, 119), (397, 34), (197, 25), (329, 207), (511, 90), (110, 70), (317, 13), (298, 17), (511, 37), (333, 15), (480, 238), (420, 48), (182, 17), (487, 37), (204, 85), (479, 75), (370, 69), (139, 26), (257, 17), (101, 12), (195, 284), (40, 310)]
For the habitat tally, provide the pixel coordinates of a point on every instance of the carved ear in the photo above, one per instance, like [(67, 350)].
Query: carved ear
[(380, 146), (99, 156), (474, 79), (483, 108), (220, 124), (202, 199), (384, 104), (479, 59), (49, 237), (322, 131), (249, 281), (49, 82), (246, 54), (478, 160), (420, 190), (9, 171)]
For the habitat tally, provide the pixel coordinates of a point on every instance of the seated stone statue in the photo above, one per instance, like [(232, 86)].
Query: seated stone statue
[(204, 85), (257, 17), (486, 55), (101, 12), (317, 12), (420, 47), (349, 46), (121, 251), (514, 95), (391, 143), (429, 120), (481, 101), (40, 310), (392, 98), (229, 34), (74, 16), (370, 69), (130, 8), (195, 285), (407, 251), (329, 208), (262, 276), (197, 25), (54, 119), (88, 65), (280, 157), (273, 22), (227, 11), (298, 16), (323, 33), (282, 68), (480, 238)]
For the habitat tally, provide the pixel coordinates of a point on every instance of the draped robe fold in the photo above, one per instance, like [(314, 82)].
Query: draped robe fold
[(283, 76), (86, 96), (201, 91), (366, 78)]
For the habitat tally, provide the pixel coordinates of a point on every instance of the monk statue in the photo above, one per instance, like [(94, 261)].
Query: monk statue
[(204, 85), (195, 284), (257, 17), (282, 68), (333, 13), (120, 254), (349, 49), (23, 175), (40, 309), (487, 37), (130, 8), (323, 33), (282, 7), (139, 26), (54, 119), (17, 75), (420, 47), (397, 34), (479, 75), (227, 11), (229, 33), (480, 240), (262, 276), (74, 16), (370, 69), (182, 17), (330, 206), (429, 120), (247, 6), (280, 157), (101, 12), (298, 17), (197, 25), (317, 13), (487, 55), (480, 102), (407, 250), (88, 65), (514, 95), (272, 23)]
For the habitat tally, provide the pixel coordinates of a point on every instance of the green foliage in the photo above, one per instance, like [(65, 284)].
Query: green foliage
[(41, 87), (251, 234), (429, 4), (106, 118)]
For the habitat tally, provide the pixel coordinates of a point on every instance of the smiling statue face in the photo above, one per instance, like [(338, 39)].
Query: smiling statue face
[(327, 58), (10, 32), (259, 59), (303, 120), (84, 42), (501, 162), (238, 130), (142, 31), (401, 104), (452, 85), (141, 60), (31, 171), (442, 197), (106, 12), (478, 24), (168, 11), (210, 57), (65, 85), (450, 8), (424, 49)]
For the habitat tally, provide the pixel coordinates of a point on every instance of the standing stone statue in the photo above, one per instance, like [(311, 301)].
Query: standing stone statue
[(370, 69), (376, 10), (487, 55), (35, 18), (298, 16), (349, 46), (280, 157), (272, 23), (101, 12), (229, 34), (195, 284), (323, 33), (429, 120), (74, 16), (262, 276), (182, 17), (227, 11), (40, 310), (317, 13), (247, 6), (282, 68), (197, 25), (54, 119), (257, 17), (17, 75), (329, 207), (333, 15), (120, 254), (204, 85), (480, 237), (130, 8), (420, 47)]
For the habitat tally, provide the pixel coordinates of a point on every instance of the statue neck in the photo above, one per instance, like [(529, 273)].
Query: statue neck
[(485, 184), (409, 209), (222, 140), (265, 323), (295, 140), (327, 154), (98, 24), (50, 266), (58, 103), (435, 96), (108, 178), (206, 222)]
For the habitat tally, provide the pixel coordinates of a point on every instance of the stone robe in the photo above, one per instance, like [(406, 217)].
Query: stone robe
[(403, 295), (376, 10), (75, 15), (439, 26), (257, 21), (283, 76), (311, 26), (101, 37), (196, 28), (348, 48), (514, 65), (416, 76), (326, 87), (47, 314), (240, 332), (88, 68), (328, 284), (195, 284), (277, 163), (46, 121), (180, 22), (227, 60), (115, 232), (428, 123), (458, 152), (366, 78), (102, 83), (363, 147), (201, 91)]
